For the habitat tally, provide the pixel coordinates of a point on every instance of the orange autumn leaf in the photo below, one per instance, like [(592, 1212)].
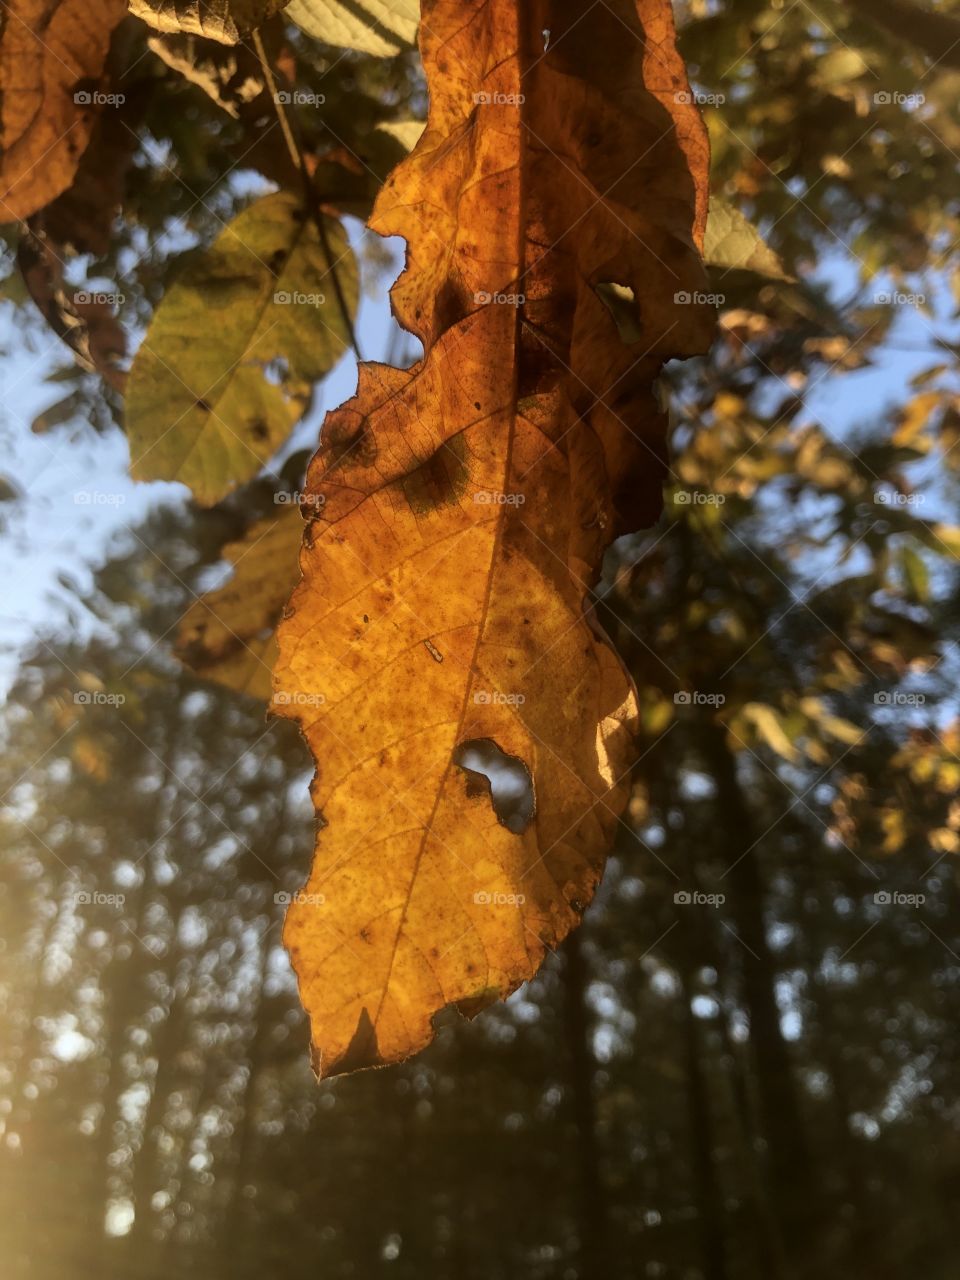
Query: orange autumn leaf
[(461, 509), (52, 54)]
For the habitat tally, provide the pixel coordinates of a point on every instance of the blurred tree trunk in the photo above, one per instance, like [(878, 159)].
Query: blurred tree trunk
[(244, 1170), (592, 1209), (766, 1236), (710, 1207), (787, 1155)]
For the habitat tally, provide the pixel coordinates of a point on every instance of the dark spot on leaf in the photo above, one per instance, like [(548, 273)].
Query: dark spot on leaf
[(439, 481), (346, 448), (451, 305)]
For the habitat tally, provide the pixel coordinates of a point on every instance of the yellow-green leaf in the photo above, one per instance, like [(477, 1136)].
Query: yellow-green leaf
[(835, 726), (200, 406), (769, 725), (733, 242), (380, 27)]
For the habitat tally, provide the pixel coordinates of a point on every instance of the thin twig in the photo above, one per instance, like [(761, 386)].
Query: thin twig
[(310, 195)]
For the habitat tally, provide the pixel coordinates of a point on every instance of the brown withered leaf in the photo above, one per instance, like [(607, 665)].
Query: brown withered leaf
[(86, 322), (52, 54), (232, 77), (81, 219), (226, 21), (467, 504)]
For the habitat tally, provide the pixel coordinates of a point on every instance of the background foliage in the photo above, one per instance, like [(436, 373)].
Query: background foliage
[(763, 1086)]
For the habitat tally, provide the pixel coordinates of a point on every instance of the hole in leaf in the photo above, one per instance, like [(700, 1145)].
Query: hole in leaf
[(276, 371), (621, 302), (506, 779)]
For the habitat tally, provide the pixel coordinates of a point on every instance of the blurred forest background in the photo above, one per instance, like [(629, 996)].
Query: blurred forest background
[(745, 1064)]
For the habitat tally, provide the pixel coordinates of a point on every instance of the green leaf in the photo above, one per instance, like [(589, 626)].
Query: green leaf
[(228, 634), (734, 242), (200, 406), (915, 573), (380, 27), (838, 67), (942, 538)]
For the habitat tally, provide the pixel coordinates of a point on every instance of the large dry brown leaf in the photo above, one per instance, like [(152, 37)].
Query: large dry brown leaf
[(464, 507), (52, 54)]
